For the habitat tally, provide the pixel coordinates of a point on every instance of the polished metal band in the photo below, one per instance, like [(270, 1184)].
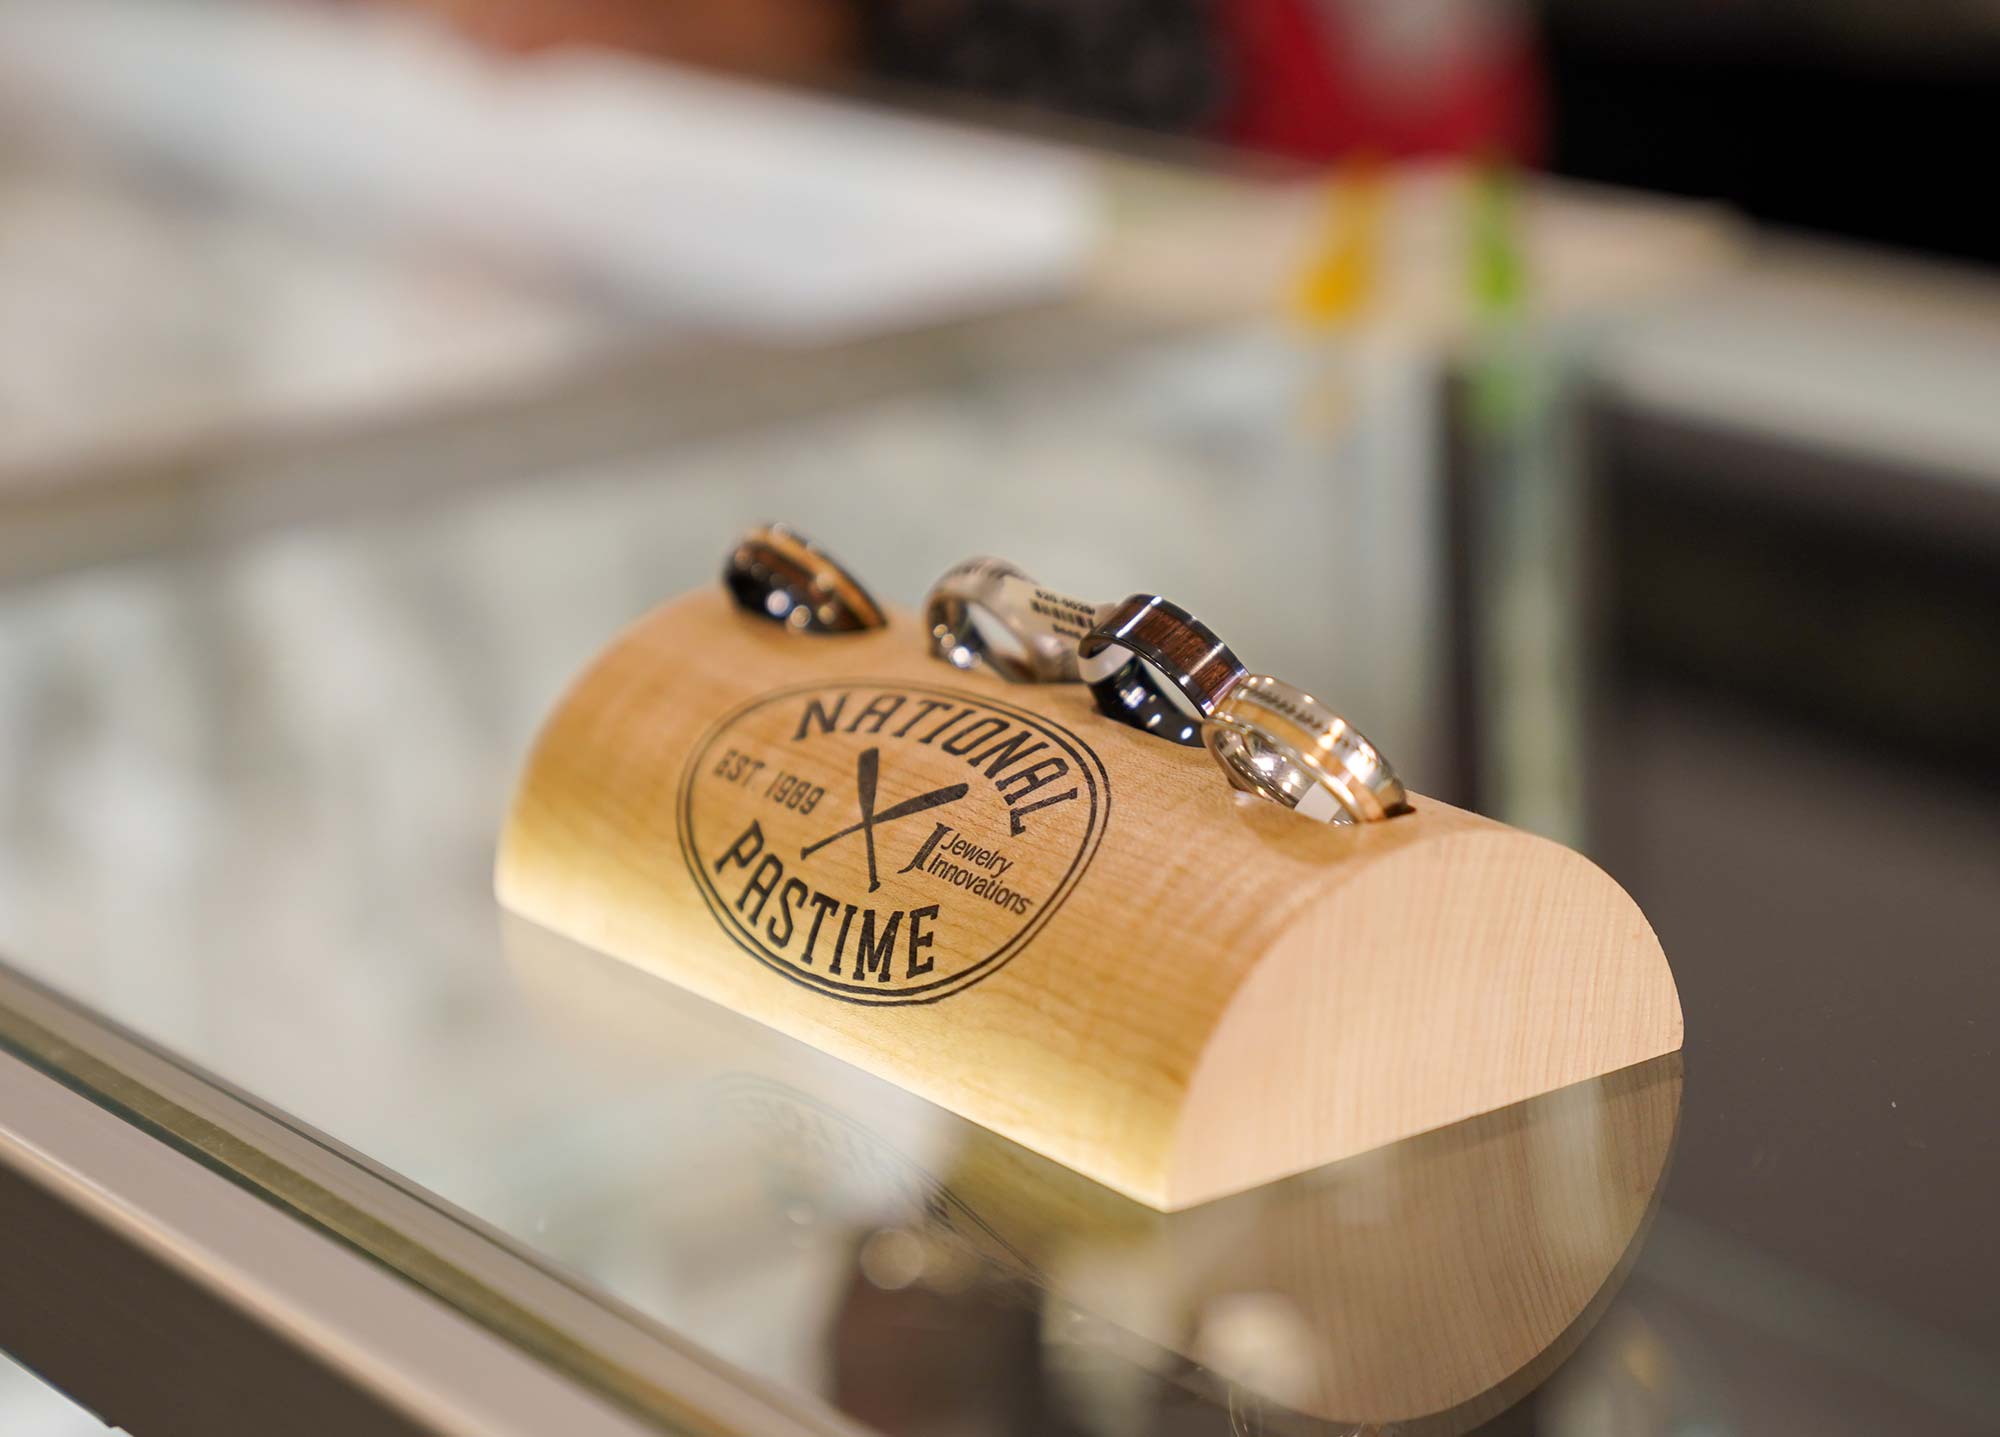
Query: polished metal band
[(1281, 742), (1154, 665), (777, 573), (986, 611)]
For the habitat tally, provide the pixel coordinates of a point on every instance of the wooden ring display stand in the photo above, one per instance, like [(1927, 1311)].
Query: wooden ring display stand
[(1061, 928)]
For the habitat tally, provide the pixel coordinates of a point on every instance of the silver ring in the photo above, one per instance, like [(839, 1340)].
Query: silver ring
[(1280, 742), (1155, 666), (987, 611), (777, 573)]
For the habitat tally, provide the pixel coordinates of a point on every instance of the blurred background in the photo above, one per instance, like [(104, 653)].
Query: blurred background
[(1598, 402)]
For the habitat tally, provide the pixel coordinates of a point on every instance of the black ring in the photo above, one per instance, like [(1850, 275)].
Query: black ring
[(1175, 674)]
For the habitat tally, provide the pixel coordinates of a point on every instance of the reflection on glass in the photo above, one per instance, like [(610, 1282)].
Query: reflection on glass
[(826, 1228)]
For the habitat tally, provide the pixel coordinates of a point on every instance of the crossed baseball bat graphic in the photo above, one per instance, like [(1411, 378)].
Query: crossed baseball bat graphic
[(867, 770)]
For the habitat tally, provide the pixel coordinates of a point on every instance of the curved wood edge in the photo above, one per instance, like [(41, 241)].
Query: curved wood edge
[(1538, 971)]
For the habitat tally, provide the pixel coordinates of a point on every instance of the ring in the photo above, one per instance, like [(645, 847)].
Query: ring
[(1154, 665), (1282, 743), (777, 573), (987, 611)]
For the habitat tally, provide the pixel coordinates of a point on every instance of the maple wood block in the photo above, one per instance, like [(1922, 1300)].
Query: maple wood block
[(1066, 930)]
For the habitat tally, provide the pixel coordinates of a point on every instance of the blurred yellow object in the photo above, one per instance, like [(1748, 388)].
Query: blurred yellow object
[(1341, 275)]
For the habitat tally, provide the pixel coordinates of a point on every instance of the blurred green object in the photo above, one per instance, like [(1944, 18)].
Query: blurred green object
[(1499, 277), (1498, 377)]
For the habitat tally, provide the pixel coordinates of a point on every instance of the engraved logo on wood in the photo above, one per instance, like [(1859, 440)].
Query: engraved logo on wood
[(888, 842)]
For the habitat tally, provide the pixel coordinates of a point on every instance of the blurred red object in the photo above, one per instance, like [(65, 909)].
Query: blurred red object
[(1316, 79), (1319, 80)]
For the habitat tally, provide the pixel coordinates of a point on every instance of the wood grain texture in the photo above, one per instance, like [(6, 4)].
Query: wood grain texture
[(1176, 990)]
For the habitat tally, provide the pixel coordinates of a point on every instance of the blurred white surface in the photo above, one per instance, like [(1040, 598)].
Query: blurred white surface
[(30, 1407), (133, 321), (1885, 358), (680, 194)]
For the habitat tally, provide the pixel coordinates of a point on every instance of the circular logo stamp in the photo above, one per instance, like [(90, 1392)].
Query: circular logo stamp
[(888, 842)]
